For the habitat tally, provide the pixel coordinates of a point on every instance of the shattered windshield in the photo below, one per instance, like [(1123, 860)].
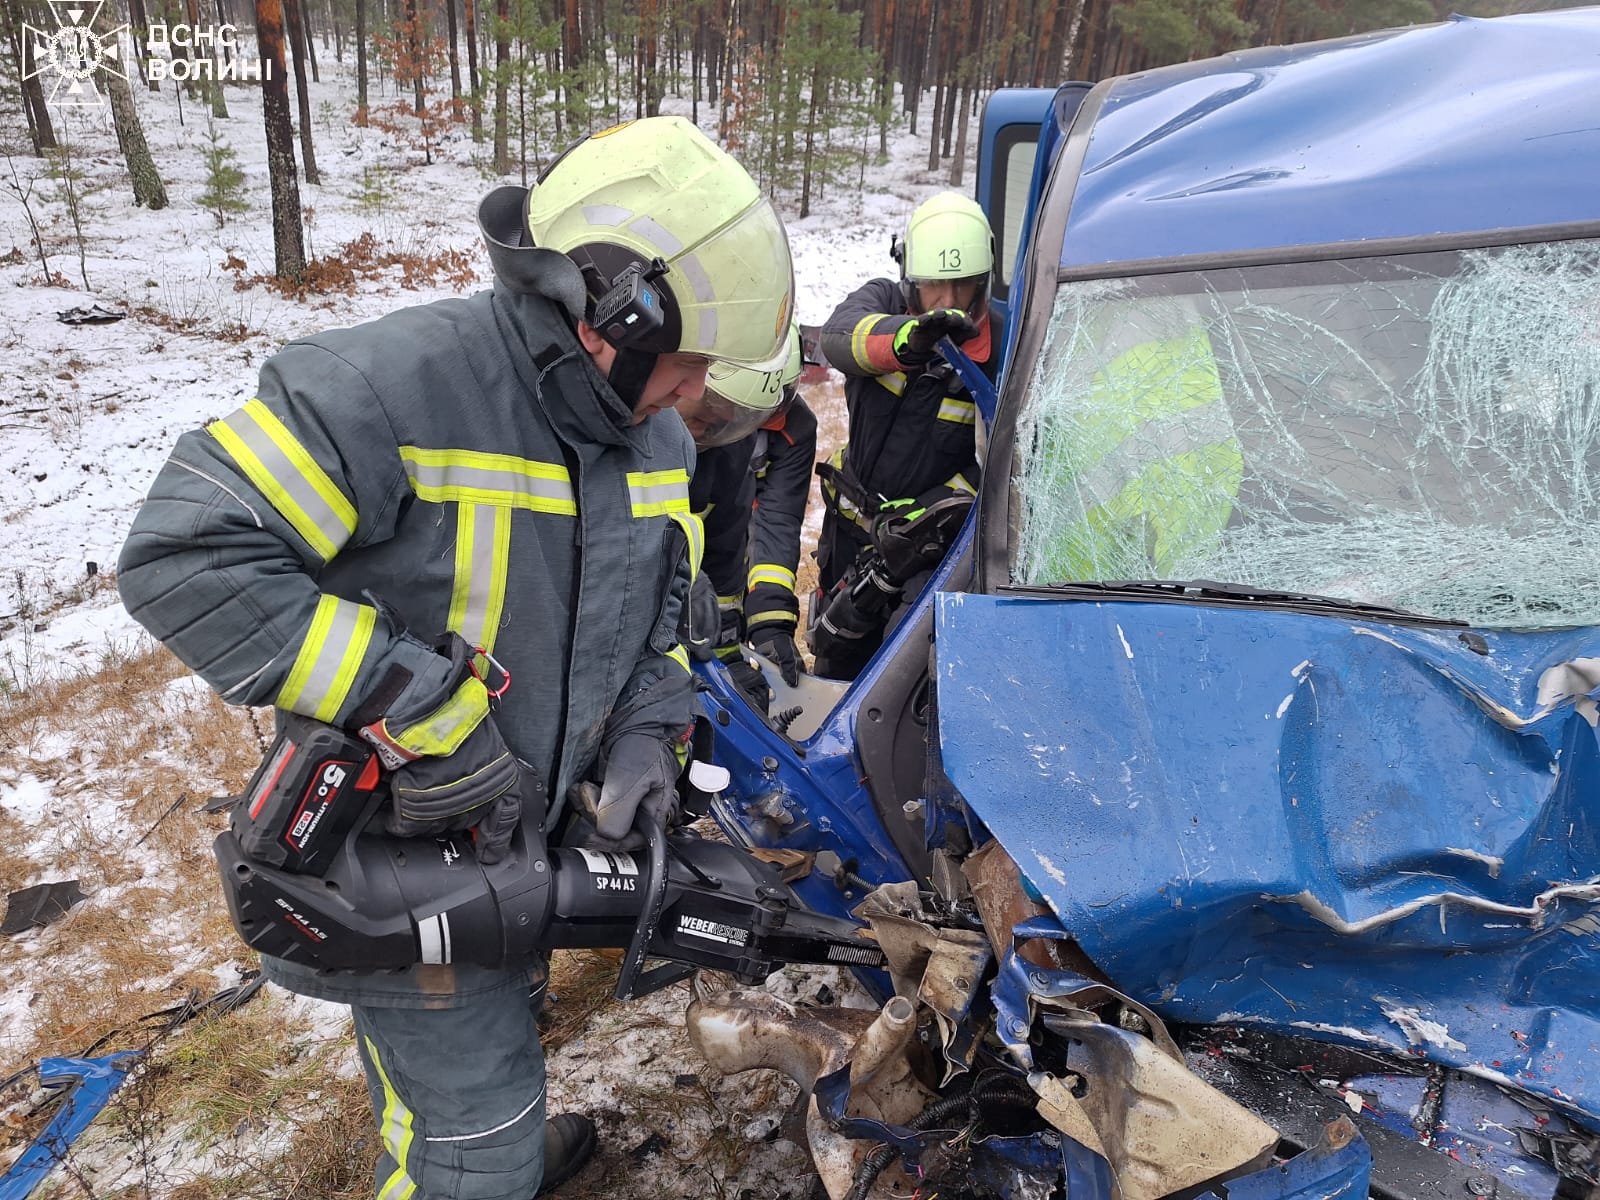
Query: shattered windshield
[(1419, 431)]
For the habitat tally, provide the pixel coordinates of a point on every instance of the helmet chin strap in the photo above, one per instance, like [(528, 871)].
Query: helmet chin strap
[(630, 371)]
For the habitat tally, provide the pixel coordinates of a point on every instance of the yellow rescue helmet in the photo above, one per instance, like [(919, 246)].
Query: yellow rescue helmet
[(947, 237), (657, 193)]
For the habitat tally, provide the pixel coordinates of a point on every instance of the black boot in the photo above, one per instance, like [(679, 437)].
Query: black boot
[(569, 1140)]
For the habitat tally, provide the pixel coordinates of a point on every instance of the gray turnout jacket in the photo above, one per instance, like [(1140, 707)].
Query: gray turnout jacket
[(465, 462)]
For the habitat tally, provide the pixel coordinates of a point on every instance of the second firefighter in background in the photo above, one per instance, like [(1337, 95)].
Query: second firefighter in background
[(756, 441), (912, 420)]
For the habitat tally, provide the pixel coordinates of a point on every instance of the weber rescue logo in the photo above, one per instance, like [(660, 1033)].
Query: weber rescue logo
[(713, 931)]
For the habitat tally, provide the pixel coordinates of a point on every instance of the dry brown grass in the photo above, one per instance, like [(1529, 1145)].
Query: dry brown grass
[(256, 1105), (119, 758), (826, 399)]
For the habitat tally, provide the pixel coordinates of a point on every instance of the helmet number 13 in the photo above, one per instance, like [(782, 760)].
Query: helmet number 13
[(950, 260)]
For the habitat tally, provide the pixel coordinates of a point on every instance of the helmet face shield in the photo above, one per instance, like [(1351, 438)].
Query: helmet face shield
[(715, 420), (739, 400), (726, 286), (970, 295)]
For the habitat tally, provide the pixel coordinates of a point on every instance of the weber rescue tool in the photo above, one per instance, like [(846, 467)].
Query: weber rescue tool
[(352, 897)]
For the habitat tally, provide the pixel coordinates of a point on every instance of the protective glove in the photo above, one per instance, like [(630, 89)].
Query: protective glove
[(776, 641), (700, 629), (915, 341), (450, 769), (892, 513), (749, 680), (641, 774)]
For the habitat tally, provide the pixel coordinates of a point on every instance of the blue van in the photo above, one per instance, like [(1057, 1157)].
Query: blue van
[(1236, 776)]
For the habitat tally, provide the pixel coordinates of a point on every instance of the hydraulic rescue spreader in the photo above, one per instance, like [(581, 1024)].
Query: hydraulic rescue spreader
[(309, 876)]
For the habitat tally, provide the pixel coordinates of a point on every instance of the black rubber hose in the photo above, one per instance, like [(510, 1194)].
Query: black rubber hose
[(998, 1087), (655, 895), (872, 1166)]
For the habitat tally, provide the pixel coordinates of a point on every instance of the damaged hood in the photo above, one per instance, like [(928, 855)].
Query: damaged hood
[(1379, 834)]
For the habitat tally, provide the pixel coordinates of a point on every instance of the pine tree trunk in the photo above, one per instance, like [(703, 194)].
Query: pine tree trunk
[(958, 165), (140, 30), (450, 25), (811, 140), (288, 237), (40, 129), (414, 48), (148, 190), (1060, 45), (650, 38), (222, 19), (473, 76), (291, 21), (361, 62), (572, 59), (502, 71), (304, 10), (949, 108)]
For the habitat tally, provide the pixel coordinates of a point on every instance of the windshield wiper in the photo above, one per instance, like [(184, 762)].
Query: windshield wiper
[(1243, 594)]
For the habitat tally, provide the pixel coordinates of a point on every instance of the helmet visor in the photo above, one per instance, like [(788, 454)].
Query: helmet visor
[(735, 291), (715, 420)]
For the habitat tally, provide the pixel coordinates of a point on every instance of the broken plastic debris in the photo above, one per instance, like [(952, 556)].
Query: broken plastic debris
[(92, 314), (39, 905)]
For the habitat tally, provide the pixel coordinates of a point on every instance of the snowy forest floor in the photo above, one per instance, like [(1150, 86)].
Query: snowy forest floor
[(108, 748)]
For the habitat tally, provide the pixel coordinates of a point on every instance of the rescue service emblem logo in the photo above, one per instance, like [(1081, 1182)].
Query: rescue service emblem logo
[(74, 52)]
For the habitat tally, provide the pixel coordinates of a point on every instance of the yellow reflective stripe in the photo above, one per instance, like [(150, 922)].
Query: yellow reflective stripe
[(477, 598), (680, 656), (394, 1127), (694, 530), (767, 618), (397, 1187), (442, 731), (771, 573), (961, 484), (286, 475), (329, 657), (962, 412), (858, 339), (658, 493), (894, 381), (477, 477)]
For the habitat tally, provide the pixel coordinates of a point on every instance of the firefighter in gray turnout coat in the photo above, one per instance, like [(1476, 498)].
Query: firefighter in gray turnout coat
[(414, 512)]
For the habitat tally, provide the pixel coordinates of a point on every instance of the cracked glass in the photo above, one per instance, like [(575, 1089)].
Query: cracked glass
[(1418, 431)]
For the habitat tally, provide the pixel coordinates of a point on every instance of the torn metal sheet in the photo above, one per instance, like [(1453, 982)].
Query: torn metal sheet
[(943, 968), (745, 1029), (39, 905), (1382, 832), (1131, 1099)]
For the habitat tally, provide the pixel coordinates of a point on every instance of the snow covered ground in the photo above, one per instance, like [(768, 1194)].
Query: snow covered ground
[(87, 415), (88, 412)]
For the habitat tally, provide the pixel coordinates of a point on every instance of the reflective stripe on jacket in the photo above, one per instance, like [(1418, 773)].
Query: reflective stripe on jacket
[(784, 456), (911, 432), (465, 462), (1147, 459)]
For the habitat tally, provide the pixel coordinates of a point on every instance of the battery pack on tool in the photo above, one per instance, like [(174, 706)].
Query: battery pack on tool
[(305, 797)]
